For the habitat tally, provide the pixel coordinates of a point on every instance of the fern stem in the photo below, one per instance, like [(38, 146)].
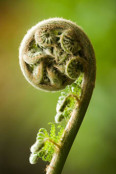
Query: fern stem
[(75, 121)]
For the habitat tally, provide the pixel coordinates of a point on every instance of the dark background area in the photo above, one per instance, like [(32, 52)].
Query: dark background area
[(23, 109)]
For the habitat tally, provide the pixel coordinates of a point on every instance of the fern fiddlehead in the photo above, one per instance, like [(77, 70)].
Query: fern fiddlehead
[(54, 55)]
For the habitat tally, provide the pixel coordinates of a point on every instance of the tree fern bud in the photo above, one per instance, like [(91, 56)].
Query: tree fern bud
[(37, 146), (61, 104), (69, 42), (59, 117), (50, 52), (33, 158), (55, 54)]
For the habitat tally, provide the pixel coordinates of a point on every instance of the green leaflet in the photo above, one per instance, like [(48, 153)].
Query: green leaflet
[(46, 142), (66, 101), (47, 151)]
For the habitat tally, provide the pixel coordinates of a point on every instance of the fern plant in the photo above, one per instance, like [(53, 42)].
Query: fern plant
[(54, 55)]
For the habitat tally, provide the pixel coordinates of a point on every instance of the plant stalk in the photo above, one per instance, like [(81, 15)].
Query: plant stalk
[(75, 121)]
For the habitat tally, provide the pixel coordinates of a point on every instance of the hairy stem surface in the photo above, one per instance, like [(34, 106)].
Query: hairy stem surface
[(74, 123)]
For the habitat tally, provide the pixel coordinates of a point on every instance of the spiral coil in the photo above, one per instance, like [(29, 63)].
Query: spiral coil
[(50, 55)]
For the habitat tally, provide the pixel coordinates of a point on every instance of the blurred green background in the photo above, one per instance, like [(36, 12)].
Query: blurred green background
[(23, 109)]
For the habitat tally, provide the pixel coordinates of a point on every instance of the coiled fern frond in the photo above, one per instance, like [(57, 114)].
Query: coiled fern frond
[(57, 55)]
